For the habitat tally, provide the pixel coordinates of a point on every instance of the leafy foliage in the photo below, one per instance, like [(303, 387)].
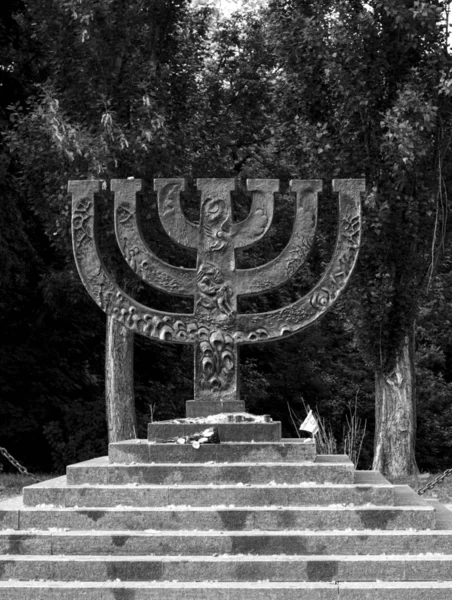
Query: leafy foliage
[(360, 96)]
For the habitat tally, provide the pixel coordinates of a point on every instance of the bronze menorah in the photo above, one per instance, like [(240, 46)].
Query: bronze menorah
[(215, 328)]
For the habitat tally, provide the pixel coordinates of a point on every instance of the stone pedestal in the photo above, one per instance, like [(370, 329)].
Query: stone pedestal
[(228, 432), (195, 408)]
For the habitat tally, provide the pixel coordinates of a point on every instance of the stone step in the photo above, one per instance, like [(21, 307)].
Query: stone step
[(420, 515), (131, 543), (443, 514), (59, 493), (324, 470), (116, 590), (328, 568), (142, 451), (228, 432)]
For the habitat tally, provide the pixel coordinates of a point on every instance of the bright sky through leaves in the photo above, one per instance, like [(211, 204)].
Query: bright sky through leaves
[(227, 7)]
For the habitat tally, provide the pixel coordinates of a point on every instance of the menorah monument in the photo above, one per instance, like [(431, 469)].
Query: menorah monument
[(215, 327), (252, 515)]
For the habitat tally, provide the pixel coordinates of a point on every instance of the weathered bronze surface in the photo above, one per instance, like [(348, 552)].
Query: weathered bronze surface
[(215, 328)]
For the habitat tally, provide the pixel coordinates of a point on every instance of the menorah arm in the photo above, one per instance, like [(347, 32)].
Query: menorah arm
[(174, 222), (279, 270), (256, 225), (101, 285), (141, 259), (302, 313)]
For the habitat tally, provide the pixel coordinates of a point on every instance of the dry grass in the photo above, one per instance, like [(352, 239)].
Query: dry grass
[(353, 433)]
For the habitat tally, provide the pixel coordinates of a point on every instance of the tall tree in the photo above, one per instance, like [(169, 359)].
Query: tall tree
[(109, 74), (361, 95)]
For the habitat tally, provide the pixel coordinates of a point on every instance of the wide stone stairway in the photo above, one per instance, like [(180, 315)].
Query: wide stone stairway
[(254, 517)]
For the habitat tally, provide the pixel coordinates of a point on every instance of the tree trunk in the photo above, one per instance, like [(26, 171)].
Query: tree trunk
[(119, 389), (395, 416)]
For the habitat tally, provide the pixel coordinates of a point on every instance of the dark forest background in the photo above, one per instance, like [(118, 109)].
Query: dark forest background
[(164, 88)]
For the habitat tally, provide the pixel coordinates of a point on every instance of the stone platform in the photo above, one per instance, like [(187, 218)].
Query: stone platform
[(261, 520)]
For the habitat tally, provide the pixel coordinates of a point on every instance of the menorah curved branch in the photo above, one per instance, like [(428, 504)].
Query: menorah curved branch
[(140, 258), (174, 222), (299, 315), (279, 270), (101, 285), (214, 328), (255, 226)]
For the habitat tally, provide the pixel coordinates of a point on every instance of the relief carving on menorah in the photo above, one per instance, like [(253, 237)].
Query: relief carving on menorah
[(215, 328)]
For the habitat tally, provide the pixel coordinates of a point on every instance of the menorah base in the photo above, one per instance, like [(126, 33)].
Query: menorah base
[(195, 408)]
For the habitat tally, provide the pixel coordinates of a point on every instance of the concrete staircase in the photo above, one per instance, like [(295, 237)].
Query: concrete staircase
[(262, 520)]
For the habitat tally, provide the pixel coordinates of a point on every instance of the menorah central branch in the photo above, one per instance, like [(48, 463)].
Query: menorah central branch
[(215, 328)]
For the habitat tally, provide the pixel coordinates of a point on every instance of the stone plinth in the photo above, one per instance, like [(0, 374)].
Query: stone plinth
[(229, 432), (195, 408)]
